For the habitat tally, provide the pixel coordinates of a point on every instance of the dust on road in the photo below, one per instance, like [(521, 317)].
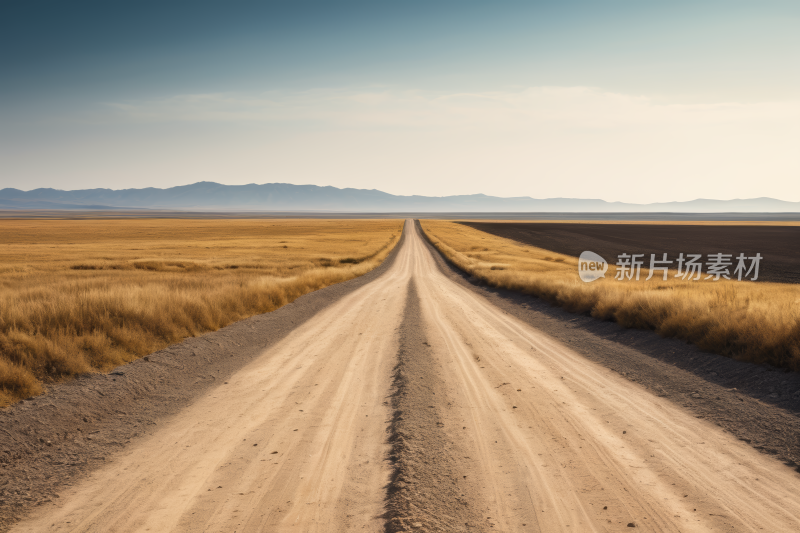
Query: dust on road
[(538, 437)]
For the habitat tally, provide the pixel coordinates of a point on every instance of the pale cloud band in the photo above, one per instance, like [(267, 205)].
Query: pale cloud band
[(586, 106), (541, 141)]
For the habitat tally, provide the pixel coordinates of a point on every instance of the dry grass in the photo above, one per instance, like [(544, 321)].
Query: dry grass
[(758, 322), (79, 296)]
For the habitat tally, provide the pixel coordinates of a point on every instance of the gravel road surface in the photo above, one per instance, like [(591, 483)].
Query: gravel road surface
[(416, 403)]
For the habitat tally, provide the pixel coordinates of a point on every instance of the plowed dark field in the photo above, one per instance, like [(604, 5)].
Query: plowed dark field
[(778, 245)]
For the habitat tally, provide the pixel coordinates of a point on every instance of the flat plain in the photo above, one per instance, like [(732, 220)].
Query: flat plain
[(86, 295), (493, 424)]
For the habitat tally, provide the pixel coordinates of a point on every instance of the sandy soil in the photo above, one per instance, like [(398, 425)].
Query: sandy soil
[(416, 403), (780, 263)]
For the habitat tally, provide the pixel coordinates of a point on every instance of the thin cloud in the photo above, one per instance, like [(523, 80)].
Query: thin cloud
[(576, 106)]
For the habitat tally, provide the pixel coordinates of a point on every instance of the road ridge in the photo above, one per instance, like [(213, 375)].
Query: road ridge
[(428, 490)]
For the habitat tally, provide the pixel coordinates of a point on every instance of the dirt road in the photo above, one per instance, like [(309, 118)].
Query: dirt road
[(413, 403)]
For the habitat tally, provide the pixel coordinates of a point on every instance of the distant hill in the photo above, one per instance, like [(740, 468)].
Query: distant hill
[(209, 196)]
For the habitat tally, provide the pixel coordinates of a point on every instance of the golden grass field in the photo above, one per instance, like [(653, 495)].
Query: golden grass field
[(758, 322), (79, 296)]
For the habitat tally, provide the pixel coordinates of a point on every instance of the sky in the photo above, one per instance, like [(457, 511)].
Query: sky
[(623, 100)]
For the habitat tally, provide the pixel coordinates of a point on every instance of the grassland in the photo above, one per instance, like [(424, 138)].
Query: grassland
[(79, 296), (758, 322)]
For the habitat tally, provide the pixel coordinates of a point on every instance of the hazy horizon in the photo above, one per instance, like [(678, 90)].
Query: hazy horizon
[(400, 195), (283, 197)]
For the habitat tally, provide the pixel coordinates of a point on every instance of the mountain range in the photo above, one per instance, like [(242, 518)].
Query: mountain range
[(209, 196)]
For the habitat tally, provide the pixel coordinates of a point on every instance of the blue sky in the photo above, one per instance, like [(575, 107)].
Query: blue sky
[(621, 100)]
